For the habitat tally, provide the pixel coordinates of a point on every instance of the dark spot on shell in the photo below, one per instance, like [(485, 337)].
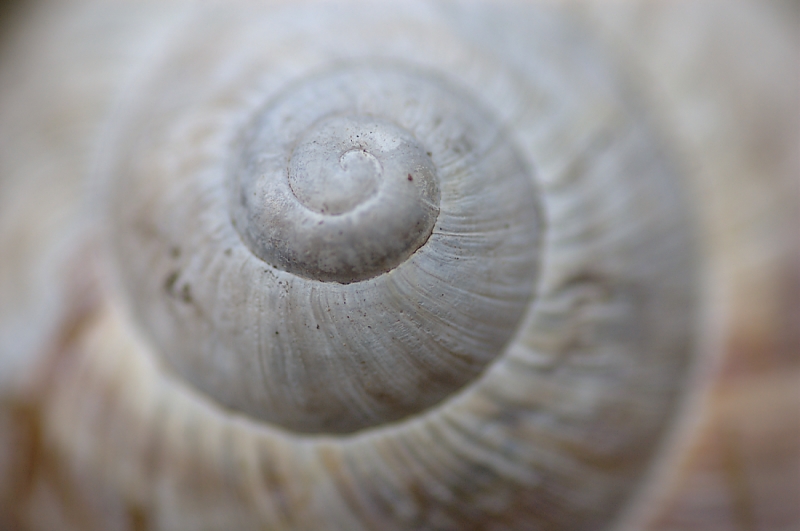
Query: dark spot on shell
[(410, 178), (228, 252), (169, 283), (186, 294)]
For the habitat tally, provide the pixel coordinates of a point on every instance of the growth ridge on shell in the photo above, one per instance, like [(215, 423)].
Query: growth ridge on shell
[(357, 196), (376, 246)]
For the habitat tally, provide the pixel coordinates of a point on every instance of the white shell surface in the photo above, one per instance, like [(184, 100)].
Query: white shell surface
[(287, 314), (573, 404), (549, 428)]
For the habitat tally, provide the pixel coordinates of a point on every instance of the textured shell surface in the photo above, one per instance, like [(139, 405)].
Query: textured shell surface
[(422, 266)]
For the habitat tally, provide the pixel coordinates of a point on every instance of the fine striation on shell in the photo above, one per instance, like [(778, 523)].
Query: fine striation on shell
[(352, 267), (497, 340), (330, 316)]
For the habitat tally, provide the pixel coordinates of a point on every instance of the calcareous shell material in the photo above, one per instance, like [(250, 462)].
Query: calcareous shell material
[(357, 313), (351, 267)]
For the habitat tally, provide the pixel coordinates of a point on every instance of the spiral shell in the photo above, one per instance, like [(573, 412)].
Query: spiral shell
[(379, 229), (353, 242), (374, 267)]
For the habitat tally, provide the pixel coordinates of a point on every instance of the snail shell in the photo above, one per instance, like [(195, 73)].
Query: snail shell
[(367, 248), (416, 267)]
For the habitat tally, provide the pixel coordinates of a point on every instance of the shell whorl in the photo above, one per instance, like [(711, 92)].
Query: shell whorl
[(525, 333), (301, 207), (382, 193), (116, 360), (357, 194)]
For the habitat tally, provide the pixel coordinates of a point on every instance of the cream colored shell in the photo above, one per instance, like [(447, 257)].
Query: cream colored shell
[(254, 341), (327, 321)]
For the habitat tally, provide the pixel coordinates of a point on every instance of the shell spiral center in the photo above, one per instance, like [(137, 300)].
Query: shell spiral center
[(356, 197)]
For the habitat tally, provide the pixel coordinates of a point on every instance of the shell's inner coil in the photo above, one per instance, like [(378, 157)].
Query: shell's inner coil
[(359, 248), (360, 197)]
